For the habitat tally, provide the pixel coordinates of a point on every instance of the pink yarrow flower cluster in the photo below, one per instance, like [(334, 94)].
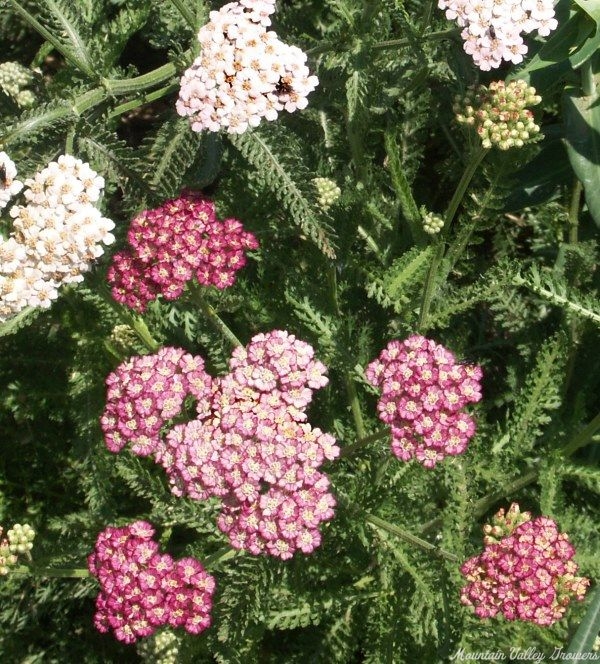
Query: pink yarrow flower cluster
[(424, 391), (250, 444), (492, 28), (145, 392), (143, 589), (526, 571), (174, 243)]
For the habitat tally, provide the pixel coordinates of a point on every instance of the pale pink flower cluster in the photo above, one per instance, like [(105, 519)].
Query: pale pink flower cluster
[(250, 444), (423, 391), (172, 244), (244, 72), (56, 235), (143, 589), (492, 28), (526, 571), (145, 392)]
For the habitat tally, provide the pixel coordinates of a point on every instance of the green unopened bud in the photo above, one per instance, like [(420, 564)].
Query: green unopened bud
[(327, 192), (432, 223), (14, 78)]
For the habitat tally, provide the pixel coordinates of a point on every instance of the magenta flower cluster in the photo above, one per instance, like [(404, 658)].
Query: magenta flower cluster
[(143, 589), (424, 391), (526, 571), (249, 445), (174, 243)]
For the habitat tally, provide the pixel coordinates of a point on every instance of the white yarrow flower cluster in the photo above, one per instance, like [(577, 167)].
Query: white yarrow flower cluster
[(244, 73), (9, 187), (492, 28), (56, 235)]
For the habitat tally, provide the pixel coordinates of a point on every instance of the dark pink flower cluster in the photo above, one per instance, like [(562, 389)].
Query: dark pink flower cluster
[(143, 589), (173, 243), (249, 445), (526, 570), (423, 391), (145, 392)]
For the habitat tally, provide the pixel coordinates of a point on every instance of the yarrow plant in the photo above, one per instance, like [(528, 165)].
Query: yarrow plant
[(249, 444), (526, 571), (244, 73), (18, 542), (172, 244), (15, 81), (327, 192), (500, 115), (492, 28), (56, 235), (143, 589), (424, 391)]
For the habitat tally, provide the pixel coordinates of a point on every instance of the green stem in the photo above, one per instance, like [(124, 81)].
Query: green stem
[(349, 450), (213, 317), (354, 405), (142, 100), (157, 76), (183, 9), (141, 329), (52, 572), (574, 212), (410, 538), (582, 438), (432, 275), (395, 43)]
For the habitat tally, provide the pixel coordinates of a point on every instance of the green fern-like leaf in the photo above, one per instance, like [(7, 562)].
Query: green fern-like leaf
[(284, 174), (540, 396)]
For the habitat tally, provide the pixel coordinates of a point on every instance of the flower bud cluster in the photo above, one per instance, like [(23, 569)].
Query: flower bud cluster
[(56, 235), (18, 542), (327, 192), (250, 444), (160, 648), (244, 72), (14, 80), (172, 244), (492, 29), (432, 223), (526, 571), (424, 391), (500, 115), (142, 589)]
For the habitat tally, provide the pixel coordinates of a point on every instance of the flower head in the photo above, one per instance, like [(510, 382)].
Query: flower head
[(526, 571), (244, 73), (142, 589), (424, 391), (170, 245)]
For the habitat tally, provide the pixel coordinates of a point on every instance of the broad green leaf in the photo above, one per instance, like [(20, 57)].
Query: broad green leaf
[(586, 634), (582, 130), (591, 7)]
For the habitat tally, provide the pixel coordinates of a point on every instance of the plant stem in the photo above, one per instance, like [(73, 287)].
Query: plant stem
[(183, 9), (410, 538), (220, 556), (349, 450), (582, 438), (52, 572), (574, 212), (213, 317), (432, 275), (142, 100), (359, 424), (394, 43)]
